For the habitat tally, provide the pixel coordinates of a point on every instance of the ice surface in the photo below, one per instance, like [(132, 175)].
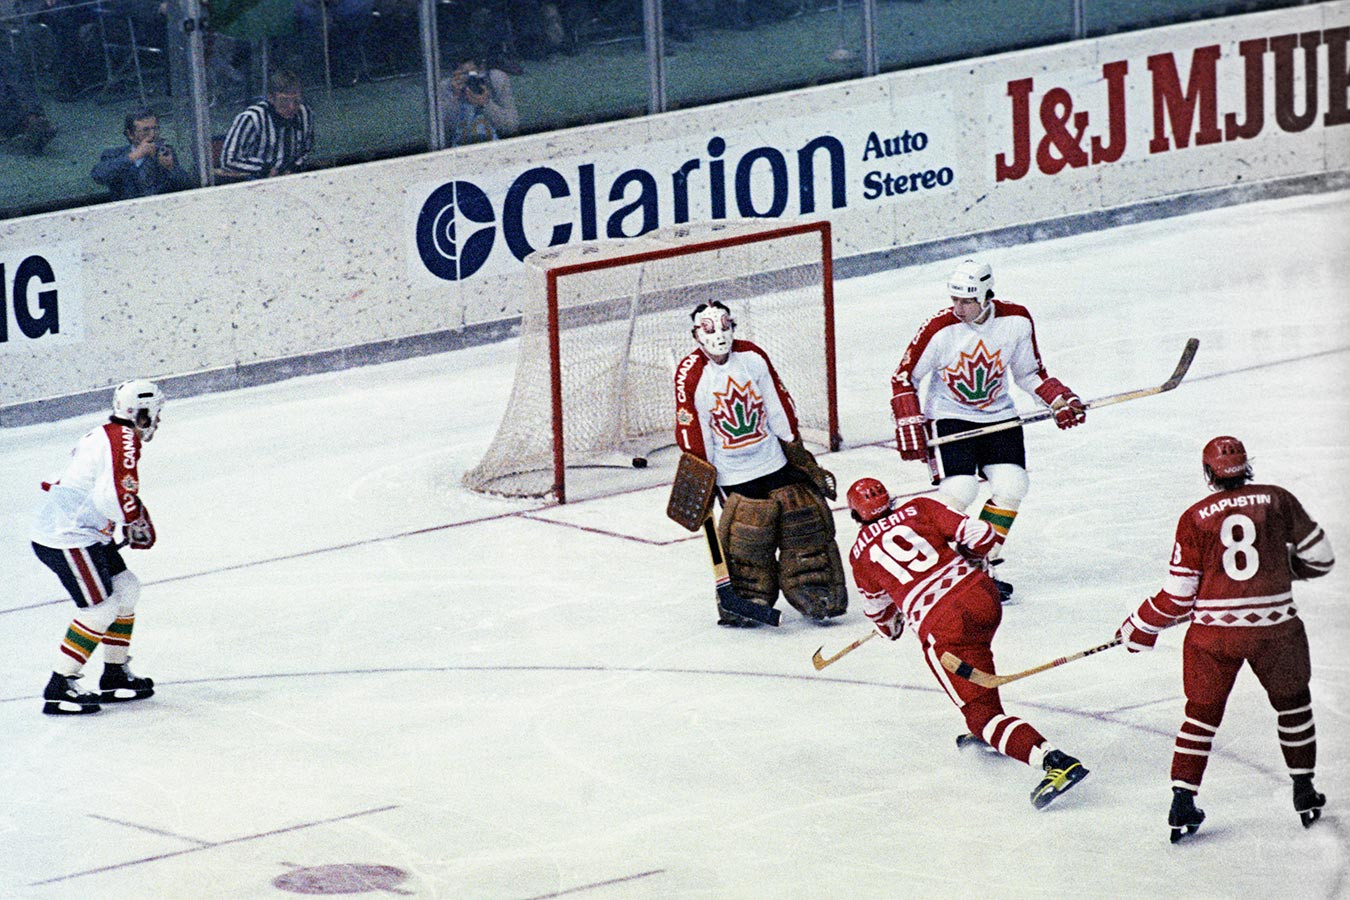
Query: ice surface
[(360, 663)]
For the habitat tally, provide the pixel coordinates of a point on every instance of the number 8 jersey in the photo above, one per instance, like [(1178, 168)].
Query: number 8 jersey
[(904, 563), (1233, 555)]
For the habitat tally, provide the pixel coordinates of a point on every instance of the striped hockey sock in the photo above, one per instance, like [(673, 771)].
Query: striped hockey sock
[(117, 642), (78, 645), (1000, 518)]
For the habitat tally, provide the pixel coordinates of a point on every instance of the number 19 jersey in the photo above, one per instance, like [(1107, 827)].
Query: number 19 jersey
[(906, 559)]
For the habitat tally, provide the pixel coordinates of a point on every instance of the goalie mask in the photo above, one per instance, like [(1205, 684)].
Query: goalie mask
[(869, 500), (972, 280), (139, 403), (713, 328), (1224, 458)]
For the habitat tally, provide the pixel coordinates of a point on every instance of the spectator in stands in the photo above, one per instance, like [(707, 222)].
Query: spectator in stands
[(348, 21), (145, 165), (22, 118), (77, 61), (273, 136), (477, 104)]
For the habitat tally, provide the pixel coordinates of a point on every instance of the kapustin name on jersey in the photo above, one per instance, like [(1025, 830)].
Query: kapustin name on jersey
[(1233, 502)]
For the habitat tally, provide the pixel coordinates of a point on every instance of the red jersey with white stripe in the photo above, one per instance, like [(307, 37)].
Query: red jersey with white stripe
[(970, 367), (905, 564), (732, 414), (98, 490), (1231, 560)]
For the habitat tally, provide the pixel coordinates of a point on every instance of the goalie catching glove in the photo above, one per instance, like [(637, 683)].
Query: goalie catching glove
[(910, 438), (804, 460), (140, 532), (1068, 408)]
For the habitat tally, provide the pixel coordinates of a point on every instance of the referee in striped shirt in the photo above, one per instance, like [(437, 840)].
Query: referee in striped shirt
[(273, 136)]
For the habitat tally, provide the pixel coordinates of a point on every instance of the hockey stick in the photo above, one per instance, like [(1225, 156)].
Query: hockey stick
[(965, 670), (820, 663), (727, 598), (1183, 365)]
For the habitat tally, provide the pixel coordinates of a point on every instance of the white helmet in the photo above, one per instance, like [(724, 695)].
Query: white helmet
[(972, 280), (139, 403), (713, 328)]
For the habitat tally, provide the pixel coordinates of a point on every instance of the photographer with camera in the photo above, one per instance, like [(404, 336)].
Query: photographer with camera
[(477, 103), (145, 166)]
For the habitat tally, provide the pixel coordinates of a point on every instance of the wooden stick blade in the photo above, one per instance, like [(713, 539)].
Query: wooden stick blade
[(821, 662)]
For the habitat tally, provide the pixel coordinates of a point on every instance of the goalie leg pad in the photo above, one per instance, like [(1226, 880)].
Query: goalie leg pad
[(748, 531), (811, 571)]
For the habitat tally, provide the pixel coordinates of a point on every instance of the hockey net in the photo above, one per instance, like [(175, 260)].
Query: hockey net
[(606, 322)]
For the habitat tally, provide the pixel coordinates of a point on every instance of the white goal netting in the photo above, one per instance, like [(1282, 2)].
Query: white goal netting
[(606, 322)]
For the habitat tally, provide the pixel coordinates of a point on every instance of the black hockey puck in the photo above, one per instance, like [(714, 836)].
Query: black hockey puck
[(639, 462)]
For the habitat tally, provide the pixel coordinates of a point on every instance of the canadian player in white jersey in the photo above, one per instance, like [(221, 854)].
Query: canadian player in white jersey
[(76, 536), (1235, 557), (969, 356), (917, 565), (776, 528)]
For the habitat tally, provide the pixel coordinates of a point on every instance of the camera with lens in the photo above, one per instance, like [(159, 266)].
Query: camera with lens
[(475, 82)]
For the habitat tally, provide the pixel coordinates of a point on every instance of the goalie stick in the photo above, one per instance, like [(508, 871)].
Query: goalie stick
[(1183, 365), (965, 670), (727, 598), (821, 662)]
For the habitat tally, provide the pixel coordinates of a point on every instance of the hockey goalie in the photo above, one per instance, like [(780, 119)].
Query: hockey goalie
[(776, 528)]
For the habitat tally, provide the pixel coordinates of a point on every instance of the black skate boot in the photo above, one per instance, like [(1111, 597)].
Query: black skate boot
[(1307, 802), (1185, 817), (119, 684), (1062, 772), (1005, 591), (65, 699)]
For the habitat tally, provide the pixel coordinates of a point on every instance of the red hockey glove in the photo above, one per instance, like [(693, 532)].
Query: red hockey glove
[(140, 532), (910, 438), (892, 625), (1136, 635), (1069, 410)]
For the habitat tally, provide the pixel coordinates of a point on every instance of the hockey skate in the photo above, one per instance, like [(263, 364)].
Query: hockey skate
[(1005, 591), (1185, 817), (968, 740), (1307, 802), (1062, 772), (65, 699), (119, 684)]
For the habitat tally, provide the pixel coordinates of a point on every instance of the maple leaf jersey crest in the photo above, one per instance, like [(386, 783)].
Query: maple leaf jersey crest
[(977, 378), (739, 416)]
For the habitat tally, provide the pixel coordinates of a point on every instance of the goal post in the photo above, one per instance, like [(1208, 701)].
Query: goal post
[(605, 323)]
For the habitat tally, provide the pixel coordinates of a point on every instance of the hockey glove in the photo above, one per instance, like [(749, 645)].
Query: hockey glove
[(140, 532), (1069, 410), (892, 625), (800, 458), (910, 438), (1136, 635)]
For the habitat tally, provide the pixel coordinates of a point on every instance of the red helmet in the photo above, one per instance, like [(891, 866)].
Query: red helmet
[(1224, 458), (869, 499)]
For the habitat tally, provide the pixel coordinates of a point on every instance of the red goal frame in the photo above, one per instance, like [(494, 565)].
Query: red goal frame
[(822, 229)]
